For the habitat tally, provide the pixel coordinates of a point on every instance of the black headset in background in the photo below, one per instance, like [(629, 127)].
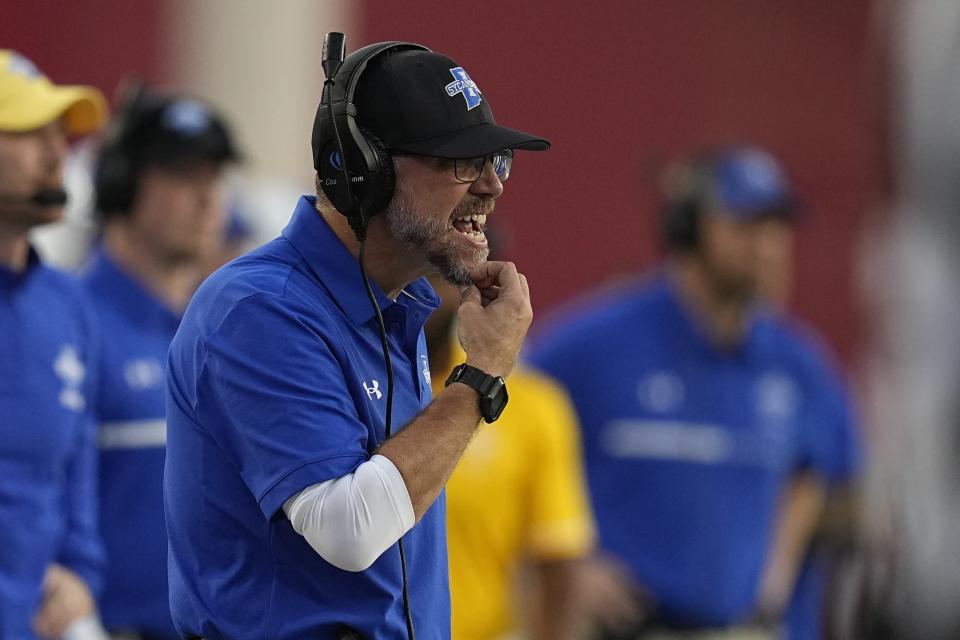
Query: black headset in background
[(356, 174), (685, 203), (115, 175)]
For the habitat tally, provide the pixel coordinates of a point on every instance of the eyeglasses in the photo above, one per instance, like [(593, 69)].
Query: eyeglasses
[(470, 169)]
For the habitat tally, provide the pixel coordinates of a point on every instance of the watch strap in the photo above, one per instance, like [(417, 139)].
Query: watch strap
[(491, 389)]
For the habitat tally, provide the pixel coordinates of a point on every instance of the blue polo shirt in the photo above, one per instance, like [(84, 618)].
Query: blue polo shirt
[(136, 330), (688, 447), (276, 381), (47, 452), (841, 462)]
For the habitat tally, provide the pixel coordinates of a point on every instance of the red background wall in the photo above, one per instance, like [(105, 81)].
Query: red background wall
[(93, 42), (620, 86)]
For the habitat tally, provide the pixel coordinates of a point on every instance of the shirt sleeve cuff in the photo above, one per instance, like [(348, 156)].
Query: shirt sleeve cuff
[(304, 476)]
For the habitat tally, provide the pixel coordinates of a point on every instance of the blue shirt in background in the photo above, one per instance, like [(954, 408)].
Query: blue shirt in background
[(841, 460), (136, 330), (688, 446), (47, 451), (276, 381)]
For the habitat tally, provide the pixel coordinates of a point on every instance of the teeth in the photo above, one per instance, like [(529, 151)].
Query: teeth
[(479, 218), (479, 236)]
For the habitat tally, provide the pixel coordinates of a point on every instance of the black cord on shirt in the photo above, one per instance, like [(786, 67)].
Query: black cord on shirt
[(359, 226), (387, 429)]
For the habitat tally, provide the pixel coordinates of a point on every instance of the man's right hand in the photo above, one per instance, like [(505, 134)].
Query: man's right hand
[(494, 316), (612, 601)]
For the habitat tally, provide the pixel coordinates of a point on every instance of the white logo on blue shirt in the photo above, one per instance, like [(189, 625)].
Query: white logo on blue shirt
[(702, 443), (426, 370), (71, 372), (776, 397), (143, 373), (373, 390), (661, 391)]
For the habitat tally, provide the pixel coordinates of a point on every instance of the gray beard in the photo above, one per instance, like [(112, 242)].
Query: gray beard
[(424, 232)]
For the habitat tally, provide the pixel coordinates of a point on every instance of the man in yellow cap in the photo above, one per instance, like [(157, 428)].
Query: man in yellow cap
[(50, 555)]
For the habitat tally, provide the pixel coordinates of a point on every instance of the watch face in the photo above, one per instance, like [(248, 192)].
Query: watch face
[(493, 403), (492, 390)]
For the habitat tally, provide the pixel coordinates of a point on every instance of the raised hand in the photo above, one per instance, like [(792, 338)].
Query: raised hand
[(494, 316)]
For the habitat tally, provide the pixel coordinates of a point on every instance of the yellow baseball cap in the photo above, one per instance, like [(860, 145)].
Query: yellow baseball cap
[(28, 100)]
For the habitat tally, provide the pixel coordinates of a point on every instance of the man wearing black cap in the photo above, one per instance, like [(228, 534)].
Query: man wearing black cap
[(285, 498), (160, 196)]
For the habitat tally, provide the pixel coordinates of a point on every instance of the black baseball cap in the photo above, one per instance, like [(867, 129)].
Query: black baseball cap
[(423, 102), (171, 132)]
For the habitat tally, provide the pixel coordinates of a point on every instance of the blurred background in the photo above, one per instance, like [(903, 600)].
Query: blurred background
[(619, 91), (859, 99)]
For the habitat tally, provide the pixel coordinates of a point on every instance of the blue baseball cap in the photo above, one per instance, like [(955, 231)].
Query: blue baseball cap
[(749, 183)]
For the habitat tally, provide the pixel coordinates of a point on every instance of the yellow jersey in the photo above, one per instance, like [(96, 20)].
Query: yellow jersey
[(516, 495)]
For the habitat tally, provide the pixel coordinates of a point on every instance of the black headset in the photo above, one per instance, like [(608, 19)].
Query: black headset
[(356, 174), (685, 202), (115, 176), (353, 166)]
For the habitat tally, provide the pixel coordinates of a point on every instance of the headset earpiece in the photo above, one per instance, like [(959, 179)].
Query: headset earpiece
[(354, 167), (112, 182), (370, 166), (684, 205), (381, 193), (114, 176)]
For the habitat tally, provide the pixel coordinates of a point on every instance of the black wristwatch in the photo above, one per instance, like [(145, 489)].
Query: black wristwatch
[(492, 389)]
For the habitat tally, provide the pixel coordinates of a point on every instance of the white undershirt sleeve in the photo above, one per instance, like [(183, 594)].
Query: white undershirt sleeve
[(353, 519)]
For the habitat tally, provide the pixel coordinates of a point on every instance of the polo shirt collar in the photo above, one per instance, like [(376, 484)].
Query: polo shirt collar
[(10, 278), (339, 271), (692, 325)]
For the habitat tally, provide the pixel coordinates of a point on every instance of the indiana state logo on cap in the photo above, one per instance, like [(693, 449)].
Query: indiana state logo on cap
[(462, 84)]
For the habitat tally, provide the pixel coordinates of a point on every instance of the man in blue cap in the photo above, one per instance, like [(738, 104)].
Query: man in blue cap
[(711, 424)]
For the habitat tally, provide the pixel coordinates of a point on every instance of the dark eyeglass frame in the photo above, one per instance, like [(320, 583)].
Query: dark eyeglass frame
[(469, 170)]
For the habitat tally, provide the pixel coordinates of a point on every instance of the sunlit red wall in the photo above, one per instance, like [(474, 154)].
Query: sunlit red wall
[(619, 86)]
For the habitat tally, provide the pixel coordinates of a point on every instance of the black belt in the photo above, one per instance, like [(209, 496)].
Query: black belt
[(345, 634)]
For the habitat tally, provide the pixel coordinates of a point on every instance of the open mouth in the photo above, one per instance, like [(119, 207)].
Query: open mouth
[(472, 226)]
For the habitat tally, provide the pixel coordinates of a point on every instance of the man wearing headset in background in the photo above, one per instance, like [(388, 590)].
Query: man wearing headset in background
[(710, 425), (159, 183), (285, 498), (50, 554)]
